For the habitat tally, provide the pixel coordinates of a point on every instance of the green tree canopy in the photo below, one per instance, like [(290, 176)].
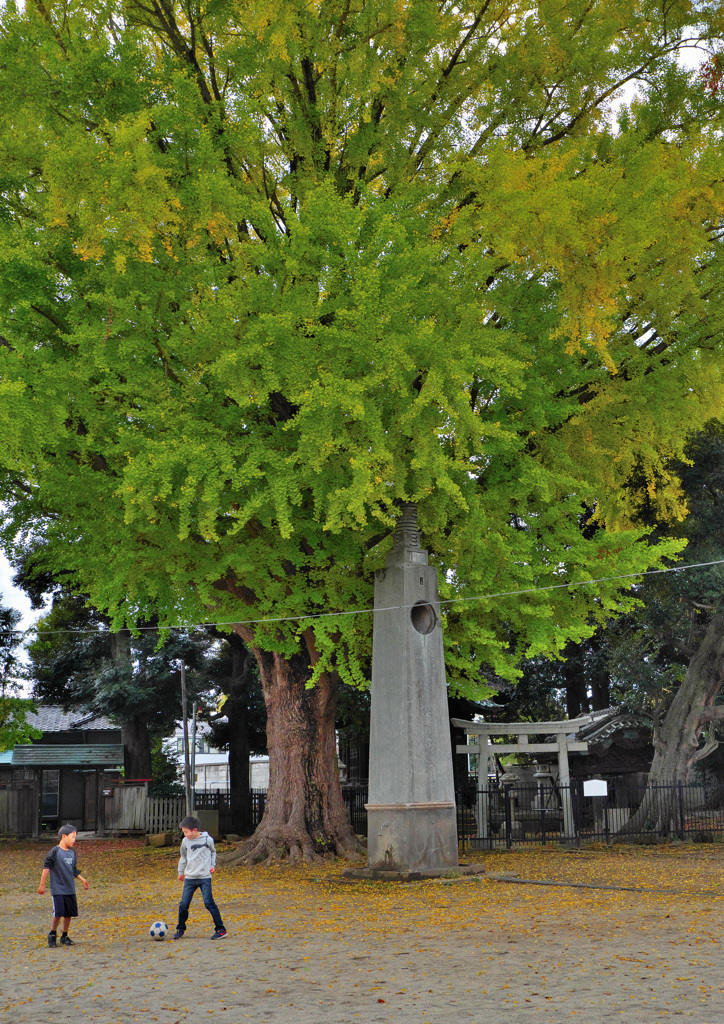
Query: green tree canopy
[(270, 270), (666, 656), (669, 653), (14, 709), (651, 648)]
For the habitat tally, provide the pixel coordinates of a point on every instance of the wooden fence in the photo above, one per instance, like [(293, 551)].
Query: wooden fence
[(129, 808), (125, 808), (163, 813), (18, 810)]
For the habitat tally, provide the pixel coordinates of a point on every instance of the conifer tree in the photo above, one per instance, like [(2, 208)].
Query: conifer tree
[(14, 708), (132, 677)]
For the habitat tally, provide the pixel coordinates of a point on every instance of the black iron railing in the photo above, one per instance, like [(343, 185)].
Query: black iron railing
[(355, 798), (220, 800), (506, 816)]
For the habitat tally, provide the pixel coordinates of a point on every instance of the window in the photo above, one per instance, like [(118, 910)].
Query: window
[(201, 746), (49, 794)]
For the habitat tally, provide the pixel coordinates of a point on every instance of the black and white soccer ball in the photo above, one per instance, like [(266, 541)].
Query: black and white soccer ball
[(158, 930)]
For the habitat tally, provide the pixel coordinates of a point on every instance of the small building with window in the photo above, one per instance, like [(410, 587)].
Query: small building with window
[(211, 766), (60, 777)]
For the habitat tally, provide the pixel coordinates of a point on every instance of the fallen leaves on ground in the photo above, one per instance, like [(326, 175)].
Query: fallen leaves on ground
[(637, 935), (124, 874)]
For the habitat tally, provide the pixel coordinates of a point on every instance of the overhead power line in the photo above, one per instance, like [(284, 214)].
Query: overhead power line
[(392, 608)]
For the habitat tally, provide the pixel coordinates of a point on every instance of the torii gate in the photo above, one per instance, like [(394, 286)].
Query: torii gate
[(565, 740)]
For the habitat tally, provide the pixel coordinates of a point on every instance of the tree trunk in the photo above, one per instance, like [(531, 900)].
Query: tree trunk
[(576, 695), (305, 818), (137, 743), (134, 732), (600, 692), (677, 742), (239, 800), (239, 747)]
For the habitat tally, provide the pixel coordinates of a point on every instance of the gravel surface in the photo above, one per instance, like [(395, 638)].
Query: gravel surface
[(306, 947)]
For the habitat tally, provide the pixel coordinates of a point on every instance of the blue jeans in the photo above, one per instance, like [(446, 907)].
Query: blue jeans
[(190, 887)]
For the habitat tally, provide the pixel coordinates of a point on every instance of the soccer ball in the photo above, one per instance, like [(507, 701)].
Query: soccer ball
[(158, 930)]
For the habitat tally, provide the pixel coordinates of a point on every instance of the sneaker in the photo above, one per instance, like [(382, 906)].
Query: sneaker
[(65, 941), (220, 933), (51, 940), (178, 934)]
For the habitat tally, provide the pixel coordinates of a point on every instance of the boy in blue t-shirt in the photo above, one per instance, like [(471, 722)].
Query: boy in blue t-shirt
[(60, 864)]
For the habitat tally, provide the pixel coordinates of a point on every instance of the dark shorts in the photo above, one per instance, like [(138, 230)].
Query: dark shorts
[(65, 906)]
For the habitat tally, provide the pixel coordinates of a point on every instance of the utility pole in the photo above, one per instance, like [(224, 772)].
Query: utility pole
[(187, 764), (193, 759)]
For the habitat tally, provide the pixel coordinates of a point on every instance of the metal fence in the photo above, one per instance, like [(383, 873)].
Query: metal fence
[(219, 800), (510, 816), (355, 798), (500, 817)]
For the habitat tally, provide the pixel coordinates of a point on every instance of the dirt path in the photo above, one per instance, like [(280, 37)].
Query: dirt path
[(307, 947)]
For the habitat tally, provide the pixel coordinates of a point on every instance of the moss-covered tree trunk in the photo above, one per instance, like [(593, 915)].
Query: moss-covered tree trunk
[(678, 741), (305, 818)]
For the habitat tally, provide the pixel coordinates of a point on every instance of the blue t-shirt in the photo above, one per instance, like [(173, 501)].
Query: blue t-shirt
[(63, 871)]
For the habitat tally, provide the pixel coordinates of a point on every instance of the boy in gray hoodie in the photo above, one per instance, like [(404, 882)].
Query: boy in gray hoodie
[(195, 868)]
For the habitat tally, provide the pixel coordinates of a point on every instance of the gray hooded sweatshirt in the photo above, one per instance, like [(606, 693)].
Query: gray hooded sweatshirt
[(198, 856)]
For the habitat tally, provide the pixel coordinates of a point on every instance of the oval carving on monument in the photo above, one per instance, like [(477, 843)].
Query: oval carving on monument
[(423, 617)]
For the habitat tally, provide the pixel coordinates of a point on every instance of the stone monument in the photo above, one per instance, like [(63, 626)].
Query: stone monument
[(411, 814)]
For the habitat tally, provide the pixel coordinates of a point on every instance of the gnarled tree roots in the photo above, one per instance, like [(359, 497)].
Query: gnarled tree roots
[(271, 846)]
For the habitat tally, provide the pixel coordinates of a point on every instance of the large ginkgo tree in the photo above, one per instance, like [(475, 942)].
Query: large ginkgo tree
[(270, 270)]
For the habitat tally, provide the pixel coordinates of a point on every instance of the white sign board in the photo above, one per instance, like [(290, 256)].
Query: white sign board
[(595, 787)]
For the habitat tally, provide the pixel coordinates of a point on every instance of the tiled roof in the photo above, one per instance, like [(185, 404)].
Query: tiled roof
[(52, 718), (82, 755), (614, 761), (606, 723)]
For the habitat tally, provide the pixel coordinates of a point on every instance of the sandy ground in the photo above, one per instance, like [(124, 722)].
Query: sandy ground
[(307, 946)]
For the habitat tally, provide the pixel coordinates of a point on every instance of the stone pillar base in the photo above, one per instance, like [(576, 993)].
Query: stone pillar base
[(448, 875), (412, 837)]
